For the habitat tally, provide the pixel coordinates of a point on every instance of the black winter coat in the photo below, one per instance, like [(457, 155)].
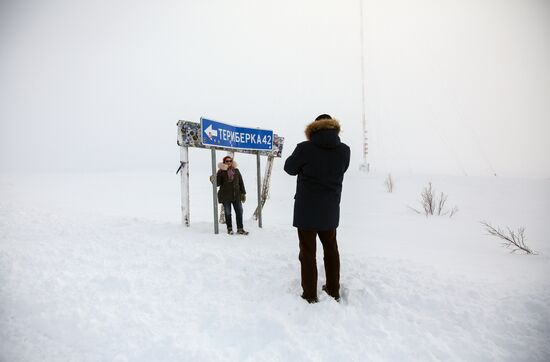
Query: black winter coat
[(229, 190), (320, 164)]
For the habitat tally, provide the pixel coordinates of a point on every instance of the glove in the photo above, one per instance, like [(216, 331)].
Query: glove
[(212, 178), (243, 198)]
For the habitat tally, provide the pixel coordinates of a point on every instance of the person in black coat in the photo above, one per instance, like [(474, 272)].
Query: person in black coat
[(231, 192), (320, 164)]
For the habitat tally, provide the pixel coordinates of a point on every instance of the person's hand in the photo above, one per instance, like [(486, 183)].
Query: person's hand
[(212, 178), (243, 198)]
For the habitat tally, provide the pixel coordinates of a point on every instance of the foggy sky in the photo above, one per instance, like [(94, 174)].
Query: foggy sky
[(459, 87)]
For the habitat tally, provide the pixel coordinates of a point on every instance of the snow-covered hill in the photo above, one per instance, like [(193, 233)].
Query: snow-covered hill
[(97, 267)]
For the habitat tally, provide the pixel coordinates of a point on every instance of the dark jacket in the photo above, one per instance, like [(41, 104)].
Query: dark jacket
[(229, 191), (320, 163)]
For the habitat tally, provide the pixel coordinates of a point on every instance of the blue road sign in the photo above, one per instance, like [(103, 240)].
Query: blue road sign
[(219, 134)]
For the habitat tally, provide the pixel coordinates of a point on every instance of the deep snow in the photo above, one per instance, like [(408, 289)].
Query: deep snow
[(97, 267)]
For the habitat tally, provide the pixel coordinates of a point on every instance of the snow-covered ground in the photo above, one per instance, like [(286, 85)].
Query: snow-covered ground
[(97, 267)]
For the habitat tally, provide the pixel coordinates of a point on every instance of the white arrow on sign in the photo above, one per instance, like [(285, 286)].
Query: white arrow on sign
[(210, 132)]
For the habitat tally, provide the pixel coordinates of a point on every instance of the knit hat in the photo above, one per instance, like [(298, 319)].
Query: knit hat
[(323, 116)]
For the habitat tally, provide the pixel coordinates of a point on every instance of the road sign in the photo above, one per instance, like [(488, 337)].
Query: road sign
[(219, 134), (189, 135)]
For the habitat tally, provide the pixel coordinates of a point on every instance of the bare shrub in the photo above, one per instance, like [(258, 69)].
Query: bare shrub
[(413, 209), (512, 239), (389, 183), (428, 199), (453, 211), (432, 204), (441, 203)]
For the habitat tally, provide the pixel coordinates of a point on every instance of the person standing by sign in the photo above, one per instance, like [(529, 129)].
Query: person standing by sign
[(320, 163), (231, 192)]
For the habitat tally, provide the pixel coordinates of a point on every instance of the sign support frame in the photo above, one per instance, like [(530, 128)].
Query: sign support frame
[(190, 135)]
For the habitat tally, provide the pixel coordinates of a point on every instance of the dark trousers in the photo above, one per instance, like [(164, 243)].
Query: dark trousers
[(309, 263), (238, 206)]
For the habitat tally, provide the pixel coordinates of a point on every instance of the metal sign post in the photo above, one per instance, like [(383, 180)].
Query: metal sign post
[(215, 191), (184, 163), (215, 135), (259, 179), (265, 185), (184, 169)]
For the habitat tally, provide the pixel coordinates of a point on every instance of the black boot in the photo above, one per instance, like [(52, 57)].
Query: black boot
[(310, 300), (336, 297)]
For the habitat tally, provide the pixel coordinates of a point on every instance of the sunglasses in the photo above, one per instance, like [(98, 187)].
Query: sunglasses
[(228, 161)]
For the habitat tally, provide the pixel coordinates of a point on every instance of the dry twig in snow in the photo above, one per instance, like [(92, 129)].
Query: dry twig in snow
[(514, 239)]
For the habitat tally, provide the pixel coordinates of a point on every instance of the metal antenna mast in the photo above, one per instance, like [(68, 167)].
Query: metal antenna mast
[(365, 165)]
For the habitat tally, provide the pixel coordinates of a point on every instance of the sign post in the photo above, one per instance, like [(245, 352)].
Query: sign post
[(215, 190), (259, 178), (184, 162), (216, 135), (265, 185), (184, 168)]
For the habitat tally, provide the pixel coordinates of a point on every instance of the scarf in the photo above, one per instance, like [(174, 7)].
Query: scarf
[(230, 173)]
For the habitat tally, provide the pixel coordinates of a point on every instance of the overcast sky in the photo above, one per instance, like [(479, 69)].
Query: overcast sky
[(459, 87)]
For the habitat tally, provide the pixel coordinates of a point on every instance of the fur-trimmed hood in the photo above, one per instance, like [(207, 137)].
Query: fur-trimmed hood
[(324, 133), (321, 125), (222, 166)]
